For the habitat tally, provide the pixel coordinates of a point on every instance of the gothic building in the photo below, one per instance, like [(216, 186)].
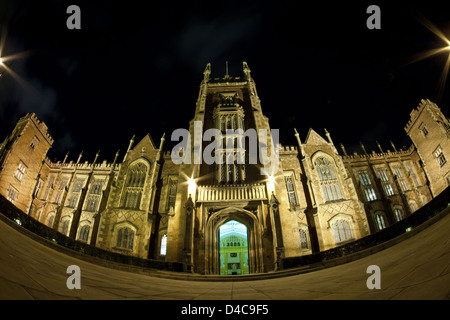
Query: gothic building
[(229, 199)]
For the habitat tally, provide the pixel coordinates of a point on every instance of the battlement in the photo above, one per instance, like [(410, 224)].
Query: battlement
[(41, 126), (287, 149), (417, 111), (84, 166), (379, 155)]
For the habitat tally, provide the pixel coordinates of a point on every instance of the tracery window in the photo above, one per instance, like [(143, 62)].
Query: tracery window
[(290, 189), (385, 182), (400, 178), (172, 193), (328, 180), (84, 233), (95, 194), (341, 230), (61, 188), (379, 219), (303, 239), (65, 226), (413, 175), (366, 186), (135, 186), (125, 238), (51, 180), (12, 194), (77, 185)]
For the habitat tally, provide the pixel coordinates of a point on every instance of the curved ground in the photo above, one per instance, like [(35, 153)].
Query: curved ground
[(416, 268)]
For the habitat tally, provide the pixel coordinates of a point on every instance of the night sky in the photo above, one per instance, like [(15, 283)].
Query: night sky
[(135, 68)]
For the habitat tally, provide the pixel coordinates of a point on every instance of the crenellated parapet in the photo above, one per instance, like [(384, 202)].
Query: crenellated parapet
[(379, 155), (41, 126)]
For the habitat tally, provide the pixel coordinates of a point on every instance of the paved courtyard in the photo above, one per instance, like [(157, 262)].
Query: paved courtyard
[(416, 268)]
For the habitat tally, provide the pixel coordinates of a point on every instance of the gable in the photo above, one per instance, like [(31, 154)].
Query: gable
[(146, 142), (314, 138)]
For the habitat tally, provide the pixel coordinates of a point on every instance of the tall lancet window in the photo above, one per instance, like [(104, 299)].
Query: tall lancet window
[(328, 180), (134, 185), (229, 119)]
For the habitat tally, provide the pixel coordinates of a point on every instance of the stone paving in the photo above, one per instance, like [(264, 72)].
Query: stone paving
[(415, 268)]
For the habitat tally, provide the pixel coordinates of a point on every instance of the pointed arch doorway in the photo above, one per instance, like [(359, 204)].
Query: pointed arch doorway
[(212, 237), (233, 248)]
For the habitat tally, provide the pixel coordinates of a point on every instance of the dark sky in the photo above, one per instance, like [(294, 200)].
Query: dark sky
[(135, 67)]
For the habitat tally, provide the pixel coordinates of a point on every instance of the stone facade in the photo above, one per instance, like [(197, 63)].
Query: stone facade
[(170, 204), (429, 130)]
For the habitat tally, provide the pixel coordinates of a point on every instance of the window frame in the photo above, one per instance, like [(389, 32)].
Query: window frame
[(125, 238), (328, 179), (289, 180), (439, 156), (13, 194), (20, 172)]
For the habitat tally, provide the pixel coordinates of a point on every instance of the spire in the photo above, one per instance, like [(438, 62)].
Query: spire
[(65, 158), (328, 136), (297, 136), (79, 157), (343, 150), (129, 148), (96, 156), (379, 147), (207, 72), (363, 148), (163, 138), (246, 70), (115, 158), (393, 146)]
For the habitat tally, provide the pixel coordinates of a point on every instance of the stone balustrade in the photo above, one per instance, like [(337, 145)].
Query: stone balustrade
[(232, 192)]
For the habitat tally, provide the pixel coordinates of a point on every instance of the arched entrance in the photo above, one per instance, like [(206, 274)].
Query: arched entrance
[(233, 248), (254, 239)]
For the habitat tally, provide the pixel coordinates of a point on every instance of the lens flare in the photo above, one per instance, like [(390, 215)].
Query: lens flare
[(6, 61), (430, 53)]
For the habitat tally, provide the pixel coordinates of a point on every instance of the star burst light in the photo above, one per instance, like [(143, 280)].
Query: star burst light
[(432, 52), (5, 61)]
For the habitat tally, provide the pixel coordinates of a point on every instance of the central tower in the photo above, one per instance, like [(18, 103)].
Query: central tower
[(231, 144)]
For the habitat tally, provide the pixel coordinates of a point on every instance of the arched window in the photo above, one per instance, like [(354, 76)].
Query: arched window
[(328, 180), (50, 218), (341, 230), (303, 239), (65, 226), (38, 214), (135, 185), (228, 119), (172, 193), (125, 238), (84, 233), (379, 219), (412, 205), (163, 249), (398, 214), (289, 180)]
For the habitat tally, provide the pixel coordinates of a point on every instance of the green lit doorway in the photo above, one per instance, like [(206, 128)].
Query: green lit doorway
[(233, 248)]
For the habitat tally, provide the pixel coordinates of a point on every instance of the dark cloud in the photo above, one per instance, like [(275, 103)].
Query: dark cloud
[(203, 40)]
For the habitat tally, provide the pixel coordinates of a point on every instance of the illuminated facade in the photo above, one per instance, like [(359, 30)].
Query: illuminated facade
[(228, 216)]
